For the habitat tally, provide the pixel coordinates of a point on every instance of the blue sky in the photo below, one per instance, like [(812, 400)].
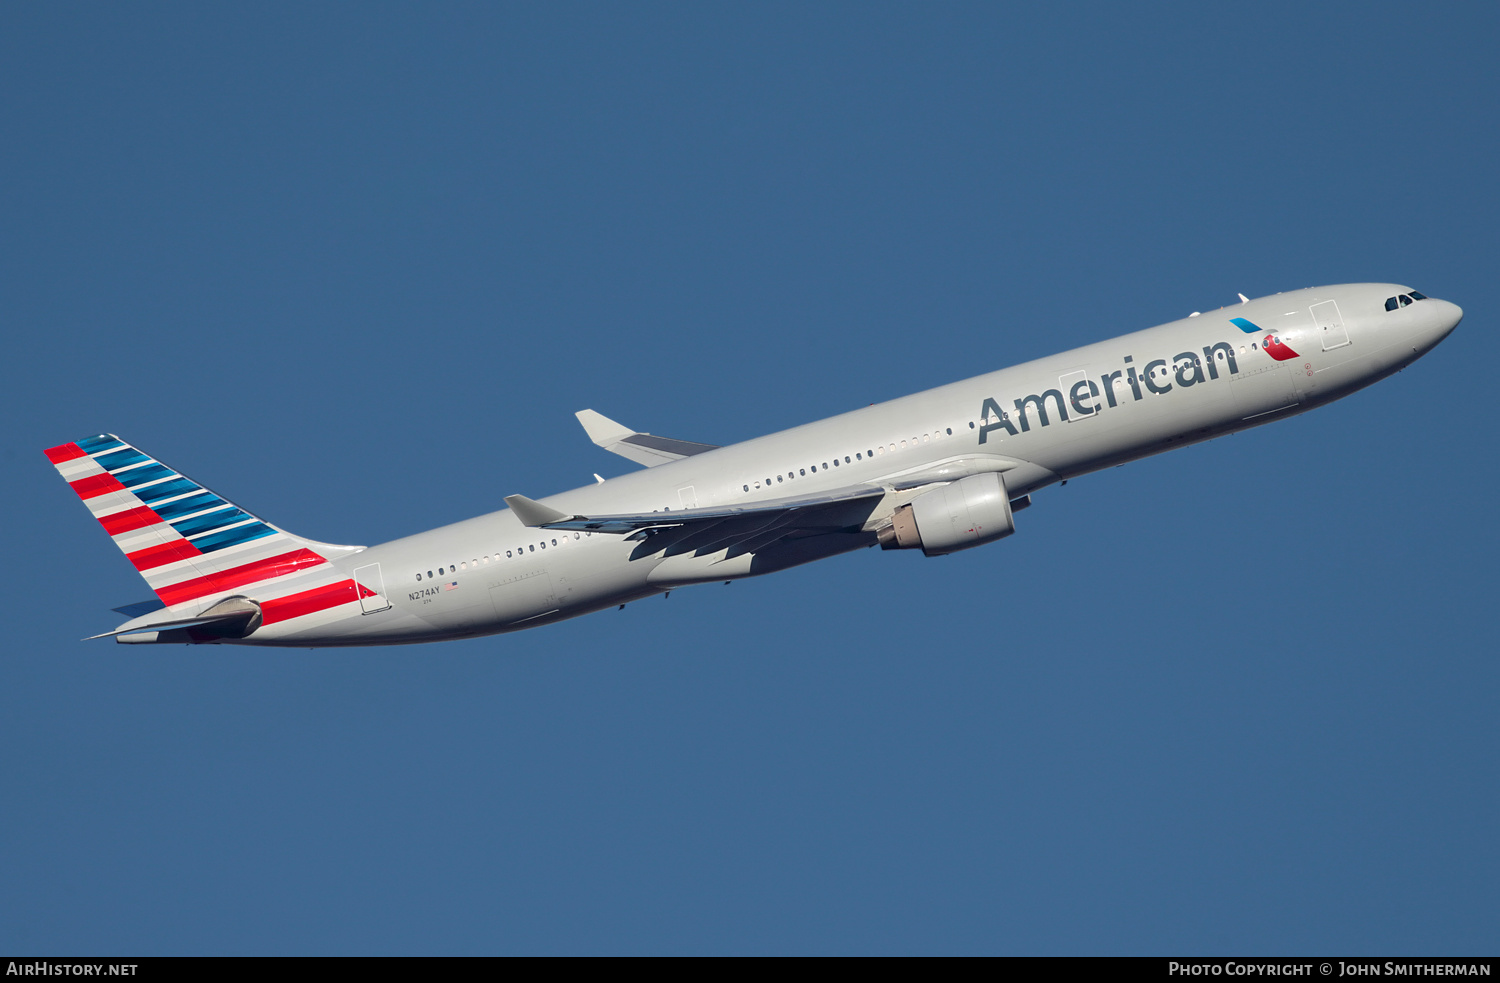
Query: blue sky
[(355, 266)]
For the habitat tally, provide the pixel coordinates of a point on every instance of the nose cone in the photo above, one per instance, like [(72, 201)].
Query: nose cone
[(1439, 318)]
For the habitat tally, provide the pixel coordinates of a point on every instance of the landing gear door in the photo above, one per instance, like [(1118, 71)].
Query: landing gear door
[(371, 587), (1329, 325)]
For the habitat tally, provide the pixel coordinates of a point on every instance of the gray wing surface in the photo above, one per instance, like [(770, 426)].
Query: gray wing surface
[(535, 514), (642, 448), (739, 530)]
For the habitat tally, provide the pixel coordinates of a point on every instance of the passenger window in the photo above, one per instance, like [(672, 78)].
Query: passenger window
[(507, 554), (554, 542), (846, 459), (466, 564), (971, 424), (531, 547), (778, 479), (804, 472), (950, 431), (429, 575), (835, 462), (544, 544), (815, 469), (747, 488), (419, 578)]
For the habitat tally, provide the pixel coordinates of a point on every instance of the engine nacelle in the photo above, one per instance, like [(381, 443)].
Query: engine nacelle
[(969, 512)]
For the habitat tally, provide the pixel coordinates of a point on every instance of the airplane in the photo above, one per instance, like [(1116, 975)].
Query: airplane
[(940, 471)]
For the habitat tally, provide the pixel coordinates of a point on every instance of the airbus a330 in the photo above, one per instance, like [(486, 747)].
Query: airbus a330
[(940, 471)]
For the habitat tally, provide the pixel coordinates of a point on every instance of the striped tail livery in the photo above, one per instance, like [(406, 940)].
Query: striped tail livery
[(198, 551)]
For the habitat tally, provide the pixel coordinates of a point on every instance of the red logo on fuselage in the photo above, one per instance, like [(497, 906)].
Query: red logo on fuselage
[(1278, 349)]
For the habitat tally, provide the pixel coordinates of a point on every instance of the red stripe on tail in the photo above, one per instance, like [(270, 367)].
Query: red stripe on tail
[(128, 520), (249, 573), (156, 556), (95, 485), (307, 602), (64, 452)]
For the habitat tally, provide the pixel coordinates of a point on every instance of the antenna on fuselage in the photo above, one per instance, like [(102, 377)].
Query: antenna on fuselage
[(1244, 299)]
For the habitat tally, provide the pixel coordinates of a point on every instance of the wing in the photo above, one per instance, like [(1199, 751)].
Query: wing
[(642, 448), (535, 514), (704, 531), (747, 528)]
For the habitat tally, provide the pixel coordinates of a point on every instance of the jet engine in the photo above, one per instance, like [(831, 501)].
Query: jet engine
[(969, 512)]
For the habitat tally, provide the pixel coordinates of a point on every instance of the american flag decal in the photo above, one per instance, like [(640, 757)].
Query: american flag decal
[(451, 586)]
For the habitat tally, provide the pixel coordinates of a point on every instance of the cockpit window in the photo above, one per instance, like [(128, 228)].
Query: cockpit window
[(1403, 300)]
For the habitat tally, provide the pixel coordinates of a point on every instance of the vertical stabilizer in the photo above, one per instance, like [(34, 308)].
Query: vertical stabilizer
[(192, 546)]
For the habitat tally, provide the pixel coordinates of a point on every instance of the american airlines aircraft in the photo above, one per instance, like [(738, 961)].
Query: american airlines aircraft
[(940, 471)]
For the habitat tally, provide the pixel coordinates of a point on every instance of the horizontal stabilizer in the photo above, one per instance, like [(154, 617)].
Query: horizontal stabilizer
[(642, 448), (233, 617)]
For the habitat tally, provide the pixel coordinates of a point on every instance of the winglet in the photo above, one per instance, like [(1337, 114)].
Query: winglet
[(642, 448), (601, 429), (534, 514)]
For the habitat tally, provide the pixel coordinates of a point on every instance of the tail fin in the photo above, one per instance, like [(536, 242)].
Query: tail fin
[(188, 543)]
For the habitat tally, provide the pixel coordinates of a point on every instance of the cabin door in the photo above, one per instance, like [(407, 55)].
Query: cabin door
[(1329, 325), (371, 587)]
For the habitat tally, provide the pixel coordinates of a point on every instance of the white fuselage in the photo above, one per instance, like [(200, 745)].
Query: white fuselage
[(1043, 421)]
